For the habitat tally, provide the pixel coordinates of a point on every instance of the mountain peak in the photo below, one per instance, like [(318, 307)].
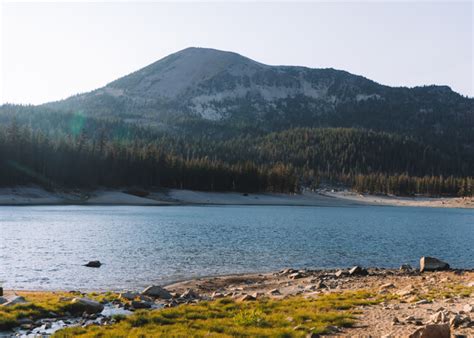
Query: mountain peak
[(178, 72)]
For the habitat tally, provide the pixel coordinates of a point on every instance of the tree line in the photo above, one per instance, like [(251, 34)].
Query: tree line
[(71, 150), (28, 157)]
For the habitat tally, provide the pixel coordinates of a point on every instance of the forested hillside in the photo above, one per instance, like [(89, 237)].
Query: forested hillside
[(213, 120), (71, 150)]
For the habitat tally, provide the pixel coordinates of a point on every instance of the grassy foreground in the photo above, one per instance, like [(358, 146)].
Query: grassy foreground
[(291, 317), (43, 305)]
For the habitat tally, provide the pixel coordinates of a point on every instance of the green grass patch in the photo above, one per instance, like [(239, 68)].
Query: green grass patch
[(43, 305), (447, 290), (291, 317)]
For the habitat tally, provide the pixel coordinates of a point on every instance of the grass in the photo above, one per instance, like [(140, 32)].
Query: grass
[(447, 290), (45, 304), (291, 317)]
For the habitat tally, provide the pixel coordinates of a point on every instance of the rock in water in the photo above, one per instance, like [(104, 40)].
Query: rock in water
[(432, 331), (87, 305), (156, 291), (93, 264), (432, 264)]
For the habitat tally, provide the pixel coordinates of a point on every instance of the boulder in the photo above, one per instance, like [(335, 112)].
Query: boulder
[(128, 295), (358, 271), (93, 264), (432, 331), (274, 292), (432, 264), (15, 300), (189, 294), (3, 300), (87, 305), (157, 291)]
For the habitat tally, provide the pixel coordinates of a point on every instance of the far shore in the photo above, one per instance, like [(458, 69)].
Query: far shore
[(32, 195)]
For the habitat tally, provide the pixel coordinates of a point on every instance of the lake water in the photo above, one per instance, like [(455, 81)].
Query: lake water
[(44, 247)]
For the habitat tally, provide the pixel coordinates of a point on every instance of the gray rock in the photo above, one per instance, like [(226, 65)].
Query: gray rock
[(15, 300), (216, 295), (157, 291), (406, 267), (455, 321), (247, 298), (321, 285), (93, 264), (90, 306), (3, 300), (358, 271), (432, 264), (141, 304), (190, 294), (296, 275), (128, 295)]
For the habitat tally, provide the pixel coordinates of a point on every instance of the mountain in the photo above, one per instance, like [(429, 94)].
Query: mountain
[(212, 120), (211, 85)]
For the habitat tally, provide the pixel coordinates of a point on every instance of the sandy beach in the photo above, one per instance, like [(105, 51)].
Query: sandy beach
[(33, 195)]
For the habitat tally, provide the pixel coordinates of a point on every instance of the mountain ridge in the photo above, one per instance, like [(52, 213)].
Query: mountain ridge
[(209, 83)]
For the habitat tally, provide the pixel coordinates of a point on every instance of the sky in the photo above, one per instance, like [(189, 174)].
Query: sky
[(51, 50)]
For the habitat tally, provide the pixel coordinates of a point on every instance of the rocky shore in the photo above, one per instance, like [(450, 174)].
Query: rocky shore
[(410, 302)]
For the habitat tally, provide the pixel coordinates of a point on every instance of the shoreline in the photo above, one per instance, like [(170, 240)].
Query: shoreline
[(407, 298), (35, 196)]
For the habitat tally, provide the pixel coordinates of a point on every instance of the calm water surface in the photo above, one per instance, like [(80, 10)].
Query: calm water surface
[(44, 247)]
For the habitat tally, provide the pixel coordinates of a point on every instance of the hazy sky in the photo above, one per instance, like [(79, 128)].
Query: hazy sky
[(52, 50)]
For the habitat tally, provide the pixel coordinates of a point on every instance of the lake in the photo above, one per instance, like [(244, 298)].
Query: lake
[(44, 247)]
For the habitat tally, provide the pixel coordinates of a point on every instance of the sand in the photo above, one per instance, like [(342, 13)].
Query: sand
[(438, 202), (33, 195)]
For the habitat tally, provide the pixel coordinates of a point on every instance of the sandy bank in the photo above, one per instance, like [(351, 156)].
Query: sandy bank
[(441, 202), (39, 196)]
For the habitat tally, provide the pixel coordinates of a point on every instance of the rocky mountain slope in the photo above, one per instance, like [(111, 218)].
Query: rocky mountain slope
[(211, 85)]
